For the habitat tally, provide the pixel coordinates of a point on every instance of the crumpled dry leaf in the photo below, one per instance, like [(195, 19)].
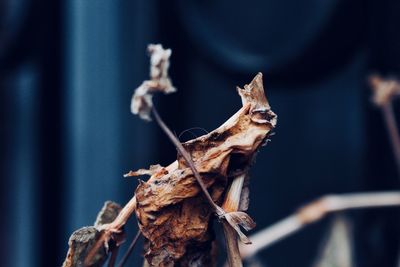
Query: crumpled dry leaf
[(142, 100), (173, 214)]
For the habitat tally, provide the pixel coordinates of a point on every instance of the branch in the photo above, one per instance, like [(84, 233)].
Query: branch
[(391, 126), (385, 90), (113, 258), (231, 204), (130, 249), (315, 211)]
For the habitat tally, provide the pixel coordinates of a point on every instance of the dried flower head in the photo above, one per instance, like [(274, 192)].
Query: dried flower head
[(142, 100)]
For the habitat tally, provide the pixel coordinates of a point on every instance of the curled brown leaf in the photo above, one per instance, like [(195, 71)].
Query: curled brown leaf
[(173, 214)]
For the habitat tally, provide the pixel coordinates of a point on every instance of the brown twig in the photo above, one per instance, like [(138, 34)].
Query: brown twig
[(113, 258), (231, 203), (385, 90), (130, 249), (315, 211), (124, 215), (393, 131)]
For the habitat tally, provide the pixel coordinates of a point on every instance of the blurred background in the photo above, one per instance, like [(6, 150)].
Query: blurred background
[(68, 70)]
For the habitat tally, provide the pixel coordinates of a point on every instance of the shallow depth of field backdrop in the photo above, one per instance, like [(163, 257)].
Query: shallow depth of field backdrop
[(68, 70)]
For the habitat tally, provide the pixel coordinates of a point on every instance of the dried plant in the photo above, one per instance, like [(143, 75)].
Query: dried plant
[(176, 205), (384, 92)]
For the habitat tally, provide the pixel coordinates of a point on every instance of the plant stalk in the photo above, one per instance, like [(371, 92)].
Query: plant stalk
[(130, 249), (315, 211), (231, 203), (393, 131)]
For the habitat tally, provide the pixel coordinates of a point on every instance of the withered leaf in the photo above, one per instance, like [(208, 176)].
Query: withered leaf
[(173, 215)]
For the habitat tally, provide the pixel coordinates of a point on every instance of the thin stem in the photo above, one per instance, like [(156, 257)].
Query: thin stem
[(111, 262), (232, 246), (232, 198), (393, 131), (385, 91), (188, 160), (130, 249), (125, 214), (231, 203), (315, 211)]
